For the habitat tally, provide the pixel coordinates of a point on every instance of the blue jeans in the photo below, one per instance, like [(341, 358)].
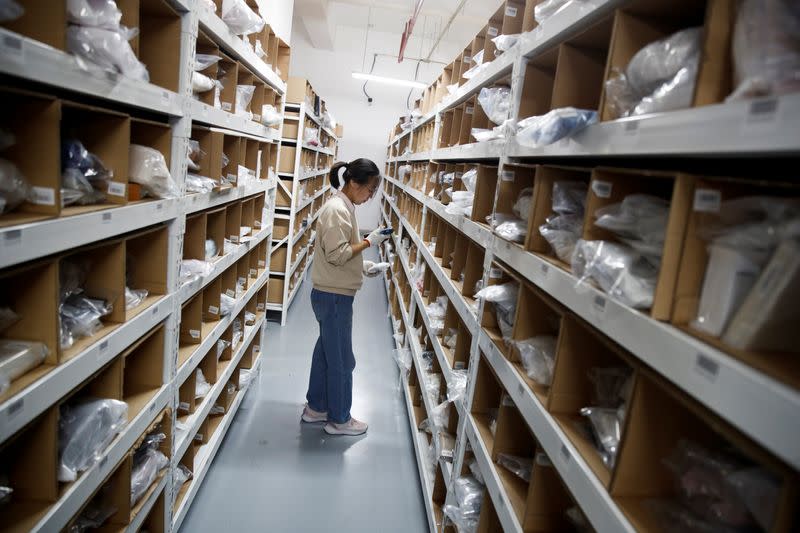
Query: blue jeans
[(330, 387)]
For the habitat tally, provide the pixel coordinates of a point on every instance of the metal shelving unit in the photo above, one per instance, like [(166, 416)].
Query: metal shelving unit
[(26, 60)]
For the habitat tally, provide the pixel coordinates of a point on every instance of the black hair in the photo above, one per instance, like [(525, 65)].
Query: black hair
[(360, 171)]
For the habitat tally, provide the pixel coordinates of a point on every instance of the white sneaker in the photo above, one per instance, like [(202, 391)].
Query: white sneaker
[(352, 427), (311, 416)]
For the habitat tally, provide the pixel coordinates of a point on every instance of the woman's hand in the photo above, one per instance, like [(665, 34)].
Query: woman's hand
[(376, 237), (373, 270)]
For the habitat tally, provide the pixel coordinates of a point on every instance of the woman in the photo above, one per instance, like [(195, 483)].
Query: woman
[(337, 275)]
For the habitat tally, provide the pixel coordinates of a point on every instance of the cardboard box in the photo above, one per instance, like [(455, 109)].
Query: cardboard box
[(283, 193), (486, 400), (275, 291), (34, 120), (191, 328), (284, 59), (288, 154), (211, 143), (513, 180), (277, 262), (42, 23), (146, 266), (156, 135), (211, 300), (280, 229), (228, 74), (290, 128), (485, 191), (205, 45), (143, 370), (160, 42)]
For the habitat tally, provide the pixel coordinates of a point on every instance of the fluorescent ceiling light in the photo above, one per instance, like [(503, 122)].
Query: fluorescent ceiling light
[(388, 81)]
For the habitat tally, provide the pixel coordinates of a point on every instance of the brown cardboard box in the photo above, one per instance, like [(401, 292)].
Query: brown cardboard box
[(160, 42), (485, 191), (41, 22), (143, 371), (146, 266), (284, 59), (205, 45), (211, 143), (211, 301), (277, 261), (296, 90), (275, 291), (579, 75), (287, 159), (290, 129), (156, 135), (191, 328), (283, 193), (486, 400), (228, 74), (537, 87)]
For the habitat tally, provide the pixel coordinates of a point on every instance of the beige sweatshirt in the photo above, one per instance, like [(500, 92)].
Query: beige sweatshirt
[(335, 269)]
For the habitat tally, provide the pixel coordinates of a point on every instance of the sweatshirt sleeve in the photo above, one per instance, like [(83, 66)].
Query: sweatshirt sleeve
[(335, 237)]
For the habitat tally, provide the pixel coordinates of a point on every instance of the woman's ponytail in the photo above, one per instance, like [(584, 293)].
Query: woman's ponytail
[(336, 181), (360, 171)]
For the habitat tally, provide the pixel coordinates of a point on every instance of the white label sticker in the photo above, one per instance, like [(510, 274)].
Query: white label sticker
[(44, 196), (262, 263), (707, 200), (106, 218), (469, 110), (116, 189), (234, 239), (231, 178), (495, 273), (260, 306), (511, 11), (599, 303), (12, 238), (13, 48), (256, 349), (242, 281), (707, 367), (226, 106), (602, 188), (492, 32), (467, 59), (194, 333), (213, 310), (230, 293), (253, 272), (545, 269), (507, 175)]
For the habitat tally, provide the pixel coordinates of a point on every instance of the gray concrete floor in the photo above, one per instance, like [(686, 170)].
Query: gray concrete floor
[(274, 474)]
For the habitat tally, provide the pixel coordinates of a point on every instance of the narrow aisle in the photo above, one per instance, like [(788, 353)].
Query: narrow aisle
[(273, 473)]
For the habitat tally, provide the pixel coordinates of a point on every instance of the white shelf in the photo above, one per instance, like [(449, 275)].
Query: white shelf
[(35, 61), (206, 114), (584, 486), (79, 492), (138, 521), (24, 242), (232, 43), (33, 400), (423, 477), (199, 202)]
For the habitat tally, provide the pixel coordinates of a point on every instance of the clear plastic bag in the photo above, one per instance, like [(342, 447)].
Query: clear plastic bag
[(7, 318), (203, 61), (238, 332), (195, 155), (547, 9), (244, 95), (607, 428), (10, 10), (96, 513), (403, 171), (464, 524), (402, 356), (222, 345), (522, 467), (145, 471), (766, 48), (469, 179), (226, 304), (108, 49), (538, 356), (249, 319), (661, 60), (134, 297), (95, 13), (182, 475), (469, 495), (80, 317), (475, 70), (201, 386), (522, 207), (504, 298), (759, 491), (450, 338), (193, 269), (83, 175), (676, 93), (496, 103), (199, 184), (504, 43), (612, 385), (311, 136), (513, 230), (569, 197), (482, 135), (211, 250), (14, 188), (148, 168), (85, 428), (535, 132), (270, 116), (640, 220), (618, 270), (201, 83), (457, 386), (17, 358), (240, 18)]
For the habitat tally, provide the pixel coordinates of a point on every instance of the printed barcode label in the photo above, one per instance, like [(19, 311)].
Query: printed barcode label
[(507, 175), (213, 310), (707, 200), (602, 188), (253, 272), (763, 109), (13, 47), (511, 11), (599, 303), (116, 189), (103, 462), (234, 239), (231, 178), (194, 333), (707, 366), (44, 196), (545, 269), (16, 408), (565, 455), (12, 237), (256, 349), (492, 32), (495, 273), (106, 218), (230, 293), (242, 281), (543, 460), (467, 59), (104, 346)]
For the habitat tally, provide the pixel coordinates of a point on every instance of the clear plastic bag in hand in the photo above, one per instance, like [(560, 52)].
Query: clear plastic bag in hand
[(496, 103), (244, 95), (538, 131), (148, 168), (18, 357), (94, 13), (85, 428), (607, 429), (240, 18), (201, 83), (10, 10), (504, 43), (108, 49), (522, 207), (538, 356), (203, 61), (14, 188), (618, 270), (145, 472), (469, 495), (513, 230), (199, 184), (766, 48), (134, 297), (522, 467), (201, 386)]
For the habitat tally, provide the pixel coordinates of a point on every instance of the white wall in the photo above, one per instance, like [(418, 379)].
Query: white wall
[(366, 127), (278, 13)]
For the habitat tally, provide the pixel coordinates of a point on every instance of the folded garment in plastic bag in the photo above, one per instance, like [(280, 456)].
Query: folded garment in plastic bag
[(562, 232), (240, 18), (311, 136), (85, 428), (195, 155), (14, 188), (80, 317), (522, 467), (677, 93), (18, 357), (148, 168), (469, 495), (201, 386), (557, 124), (96, 513), (538, 356), (620, 271), (199, 184), (504, 43), (194, 268), (10, 10), (211, 250), (766, 48), (201, 83), (640, 220), (146, 468), (244, 95), (95, 13), (270, 116), (108, 49), (496, 103), (569, 197), (513, 230), (134, 297), (504, 298)]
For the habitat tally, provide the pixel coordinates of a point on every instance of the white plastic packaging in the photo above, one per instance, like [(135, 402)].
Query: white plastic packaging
[(94, 13), (504, 43), (109, 49), (240, 18), (17, 358), (496, 103), (14, 188), (244, 94), (203, 61), (85, 428), (7, 318), (182, 475), (201, 386), (148, 168), (547, 9), (522, 207), (607, 428), (543, 130), (538, 356), (504, 298), (226, 304), (199, 184), (270, 116), (148, 461), (469, 495), (134, 297), (194, 268), (201, 83), (403, 171), (513, 230), (522, 467)]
